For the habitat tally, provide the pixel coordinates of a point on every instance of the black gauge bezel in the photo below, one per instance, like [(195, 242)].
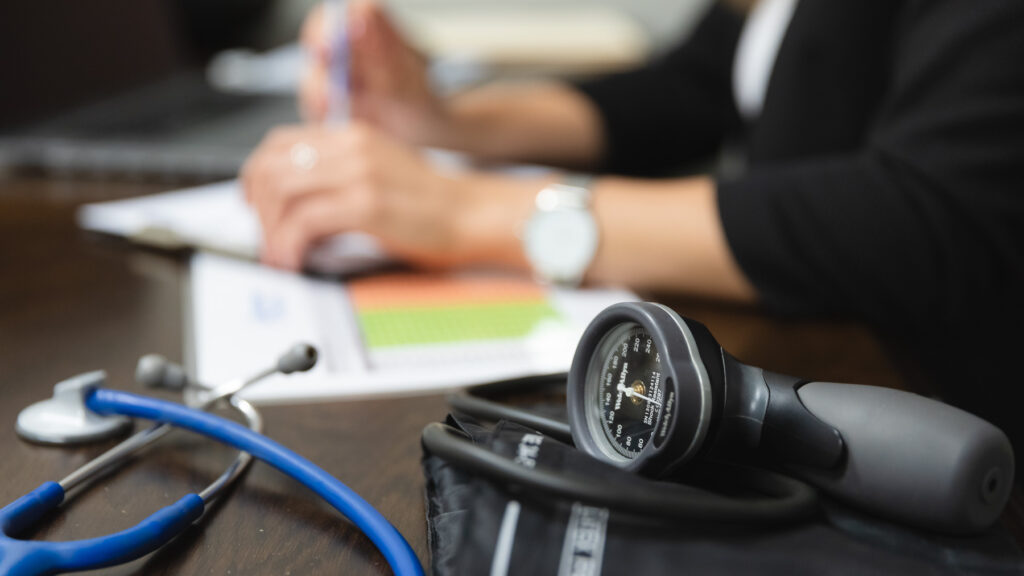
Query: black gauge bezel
[(681, 428)]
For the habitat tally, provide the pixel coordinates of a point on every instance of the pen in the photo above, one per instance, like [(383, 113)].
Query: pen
[(338, 65)]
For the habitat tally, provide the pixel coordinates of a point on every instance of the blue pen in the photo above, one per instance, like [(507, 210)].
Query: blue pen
[(337, 91)]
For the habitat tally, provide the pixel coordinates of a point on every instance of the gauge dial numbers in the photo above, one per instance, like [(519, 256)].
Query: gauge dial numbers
[(626, 390)]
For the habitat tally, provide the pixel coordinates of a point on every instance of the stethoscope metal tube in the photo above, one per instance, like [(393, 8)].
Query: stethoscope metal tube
[(242, 461), (155, 371), (147, 437)]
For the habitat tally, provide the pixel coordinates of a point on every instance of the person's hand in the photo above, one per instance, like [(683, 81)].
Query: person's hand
[(310, 182), (388, 83)]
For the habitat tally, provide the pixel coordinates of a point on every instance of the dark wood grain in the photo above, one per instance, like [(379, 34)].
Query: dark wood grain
[(72, 301)]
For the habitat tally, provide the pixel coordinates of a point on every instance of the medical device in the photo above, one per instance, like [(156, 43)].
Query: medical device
[(655, 394), (82, 410)]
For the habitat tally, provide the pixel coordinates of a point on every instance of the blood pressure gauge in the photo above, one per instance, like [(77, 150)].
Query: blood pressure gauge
[(631, 398), (652, 392)]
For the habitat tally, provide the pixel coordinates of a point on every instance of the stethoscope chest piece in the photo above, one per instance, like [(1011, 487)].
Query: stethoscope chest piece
[(64, 418)]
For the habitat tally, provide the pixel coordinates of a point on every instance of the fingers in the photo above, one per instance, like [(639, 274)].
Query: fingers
[(314, 218), (359, 55), (309, 182), (378, 52), (391, 43), (297, 166), (382, 25), (326, 47), (357, 16), (289, 186), (313, 35), (283, 137), (255, 173), (370, 70), (314, 97), (259, 174)]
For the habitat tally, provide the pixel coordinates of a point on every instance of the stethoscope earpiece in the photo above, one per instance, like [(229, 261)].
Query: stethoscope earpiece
[(155, 371), (298, 358)]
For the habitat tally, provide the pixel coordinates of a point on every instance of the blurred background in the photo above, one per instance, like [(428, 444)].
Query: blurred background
[(183, 89)]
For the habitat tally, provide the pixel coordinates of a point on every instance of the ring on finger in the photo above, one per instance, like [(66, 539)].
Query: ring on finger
[(304, 156)]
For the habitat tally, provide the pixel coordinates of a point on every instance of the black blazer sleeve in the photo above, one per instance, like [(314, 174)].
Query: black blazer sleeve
[(926, 219), (677, 109)]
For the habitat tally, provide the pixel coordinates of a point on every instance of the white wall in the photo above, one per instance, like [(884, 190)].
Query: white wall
[(665, 20)]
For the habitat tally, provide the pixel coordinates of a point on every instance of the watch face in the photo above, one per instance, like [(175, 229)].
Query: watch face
[(561, 243), (624, 391)]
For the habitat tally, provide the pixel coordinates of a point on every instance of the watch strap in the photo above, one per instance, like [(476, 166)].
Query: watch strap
[(573, 192)]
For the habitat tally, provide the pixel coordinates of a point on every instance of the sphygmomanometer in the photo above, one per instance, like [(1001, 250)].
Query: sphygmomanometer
[(653, 401)]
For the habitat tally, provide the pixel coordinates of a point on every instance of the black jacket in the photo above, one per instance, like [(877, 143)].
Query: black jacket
[(885, 175)]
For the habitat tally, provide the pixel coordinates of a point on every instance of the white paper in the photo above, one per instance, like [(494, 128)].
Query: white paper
[(243, 315)]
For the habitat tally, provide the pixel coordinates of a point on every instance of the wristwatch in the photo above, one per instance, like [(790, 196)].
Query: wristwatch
[(560, 238)]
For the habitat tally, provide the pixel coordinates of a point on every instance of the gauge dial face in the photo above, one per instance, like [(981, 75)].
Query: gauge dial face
[(625, 390)]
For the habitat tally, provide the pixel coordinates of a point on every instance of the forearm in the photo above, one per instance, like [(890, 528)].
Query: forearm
[(547, 123), (660, 235), (665, 235)]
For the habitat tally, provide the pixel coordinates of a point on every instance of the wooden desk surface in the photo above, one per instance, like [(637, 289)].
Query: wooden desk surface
[(72, 301)]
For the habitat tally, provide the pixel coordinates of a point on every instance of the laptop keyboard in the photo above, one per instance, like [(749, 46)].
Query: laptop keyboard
[(179, 128)]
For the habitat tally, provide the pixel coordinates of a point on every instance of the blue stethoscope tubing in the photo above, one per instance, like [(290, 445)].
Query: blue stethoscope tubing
[(33, 558)]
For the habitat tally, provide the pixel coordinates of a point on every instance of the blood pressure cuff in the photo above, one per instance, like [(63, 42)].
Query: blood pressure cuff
[(476, 526)]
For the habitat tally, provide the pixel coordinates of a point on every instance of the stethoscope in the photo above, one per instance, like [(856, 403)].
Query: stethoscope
[(82, 410), (653, 393)]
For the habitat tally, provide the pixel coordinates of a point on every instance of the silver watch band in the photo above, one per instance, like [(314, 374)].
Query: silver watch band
[(572, 192)]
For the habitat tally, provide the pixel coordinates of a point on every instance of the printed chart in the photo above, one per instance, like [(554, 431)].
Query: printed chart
[(409, 320), (384, 334)]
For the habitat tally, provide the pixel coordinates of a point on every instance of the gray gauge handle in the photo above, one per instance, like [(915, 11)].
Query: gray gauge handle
[(912, 458)]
